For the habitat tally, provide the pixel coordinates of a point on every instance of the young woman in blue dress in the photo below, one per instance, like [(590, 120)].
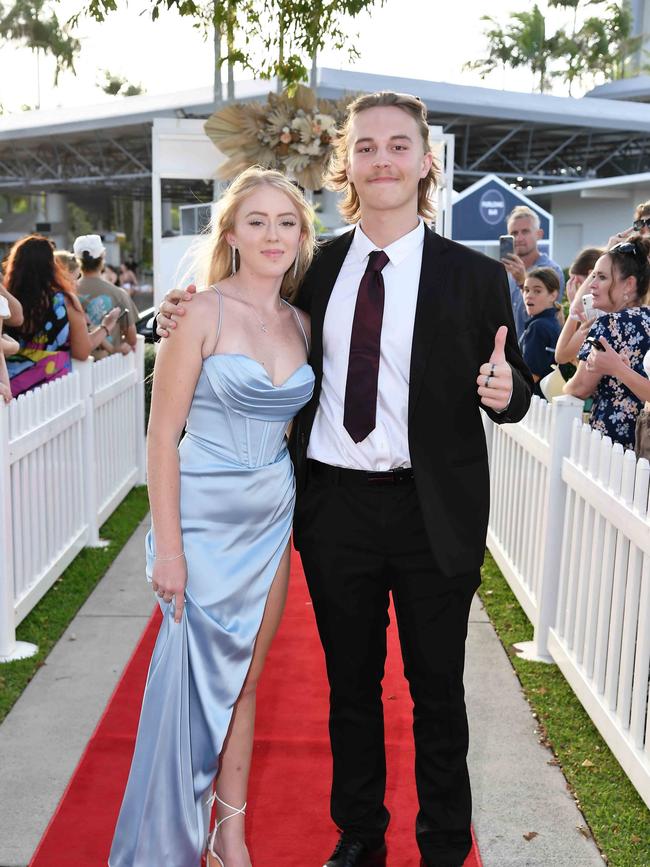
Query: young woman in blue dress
[(233, 373)]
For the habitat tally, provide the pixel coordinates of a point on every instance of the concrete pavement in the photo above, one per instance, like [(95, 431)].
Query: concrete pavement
[(516, 791)]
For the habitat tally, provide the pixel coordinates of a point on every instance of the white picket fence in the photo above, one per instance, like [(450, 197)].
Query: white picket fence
[(70, 451), (570, 530)]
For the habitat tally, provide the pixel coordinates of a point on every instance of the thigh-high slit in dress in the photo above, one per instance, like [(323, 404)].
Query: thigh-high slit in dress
[(236, 506)]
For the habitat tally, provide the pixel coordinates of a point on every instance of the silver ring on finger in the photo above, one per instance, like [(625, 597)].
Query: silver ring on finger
[(492, 366), (487, 380)]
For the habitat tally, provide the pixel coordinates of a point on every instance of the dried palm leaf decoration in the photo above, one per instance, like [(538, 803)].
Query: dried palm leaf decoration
[(290, 133)]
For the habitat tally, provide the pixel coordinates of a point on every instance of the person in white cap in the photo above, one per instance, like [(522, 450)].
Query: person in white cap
[(98, 296)]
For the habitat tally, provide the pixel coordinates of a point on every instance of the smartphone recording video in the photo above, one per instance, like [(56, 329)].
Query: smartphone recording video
[(506, 246)]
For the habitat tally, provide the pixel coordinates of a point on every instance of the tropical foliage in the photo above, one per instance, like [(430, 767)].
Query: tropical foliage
[(117, 85), (35, 25), (267, 37), (291, 132), (596, 45)]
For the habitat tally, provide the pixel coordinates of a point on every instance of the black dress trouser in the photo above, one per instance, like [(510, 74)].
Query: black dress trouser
[(359, 542)]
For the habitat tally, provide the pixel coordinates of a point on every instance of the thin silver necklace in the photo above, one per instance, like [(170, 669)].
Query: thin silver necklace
[(263, 325)]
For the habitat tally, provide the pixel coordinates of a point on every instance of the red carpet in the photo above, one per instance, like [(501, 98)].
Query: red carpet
[(287, 818)]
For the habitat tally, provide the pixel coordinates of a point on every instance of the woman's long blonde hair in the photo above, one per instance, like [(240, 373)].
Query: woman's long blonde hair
[(210, 260)]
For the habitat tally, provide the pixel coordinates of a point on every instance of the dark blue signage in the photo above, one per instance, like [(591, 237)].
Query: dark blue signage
[(492, 207), (481, 214)]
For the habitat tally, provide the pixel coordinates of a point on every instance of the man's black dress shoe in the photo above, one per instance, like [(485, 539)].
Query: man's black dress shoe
[(353, 853)]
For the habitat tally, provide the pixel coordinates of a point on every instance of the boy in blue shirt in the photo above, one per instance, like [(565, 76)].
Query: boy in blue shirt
[(541, 290)]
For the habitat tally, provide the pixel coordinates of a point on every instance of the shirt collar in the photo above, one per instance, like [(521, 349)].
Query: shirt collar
[(396, 252), (549, 313)]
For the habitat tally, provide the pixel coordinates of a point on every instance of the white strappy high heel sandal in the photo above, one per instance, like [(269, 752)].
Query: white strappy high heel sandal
[(241, 811)]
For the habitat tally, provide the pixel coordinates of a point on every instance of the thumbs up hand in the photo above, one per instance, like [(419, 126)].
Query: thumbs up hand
[(495, 377)]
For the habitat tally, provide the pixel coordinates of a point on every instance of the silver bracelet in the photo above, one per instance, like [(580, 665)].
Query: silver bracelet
[(168, 559)]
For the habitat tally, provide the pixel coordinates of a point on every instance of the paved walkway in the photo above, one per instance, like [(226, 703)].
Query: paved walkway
[(516, 791)]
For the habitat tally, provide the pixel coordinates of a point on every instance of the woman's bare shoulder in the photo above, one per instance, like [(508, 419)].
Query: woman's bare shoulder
[(200, 312)]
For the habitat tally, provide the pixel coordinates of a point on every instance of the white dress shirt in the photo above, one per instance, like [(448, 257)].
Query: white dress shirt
[(386, 447)]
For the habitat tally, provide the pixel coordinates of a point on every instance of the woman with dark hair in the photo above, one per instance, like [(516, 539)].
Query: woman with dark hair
[(53, 331), (619, 288)]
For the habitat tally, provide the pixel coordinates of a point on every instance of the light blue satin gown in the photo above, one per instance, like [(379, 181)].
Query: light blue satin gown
[(236, 506)]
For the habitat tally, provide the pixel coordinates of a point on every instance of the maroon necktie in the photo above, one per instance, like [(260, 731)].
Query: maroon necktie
[(360, 412)]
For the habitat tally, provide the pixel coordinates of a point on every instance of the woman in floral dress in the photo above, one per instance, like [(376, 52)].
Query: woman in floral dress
[(619, 287)]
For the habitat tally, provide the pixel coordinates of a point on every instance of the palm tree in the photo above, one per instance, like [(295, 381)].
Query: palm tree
[(603, 43), (522, 43), (34, 25)]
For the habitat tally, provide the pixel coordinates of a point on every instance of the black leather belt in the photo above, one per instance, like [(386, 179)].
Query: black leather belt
[(344, 476)]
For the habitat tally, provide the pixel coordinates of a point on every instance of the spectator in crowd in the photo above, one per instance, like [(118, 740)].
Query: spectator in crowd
[(5, 387), (8, 346), (608, 362), (541, 290), (15, 318), (581, 268), (98, 296), (54, 329), (640, 225), (642, 431), (524, 226), (578, 324), (111, 275), (70, 265), (619, 288), (128, 280)]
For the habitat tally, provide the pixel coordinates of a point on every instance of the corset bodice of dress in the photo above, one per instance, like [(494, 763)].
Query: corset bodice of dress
[(239, 415)]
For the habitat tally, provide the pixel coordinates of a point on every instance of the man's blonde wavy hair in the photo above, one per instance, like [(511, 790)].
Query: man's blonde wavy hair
[(336, 176)]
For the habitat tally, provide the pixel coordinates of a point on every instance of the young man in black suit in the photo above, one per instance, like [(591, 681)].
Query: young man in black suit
[(408, 340), (403, 510)]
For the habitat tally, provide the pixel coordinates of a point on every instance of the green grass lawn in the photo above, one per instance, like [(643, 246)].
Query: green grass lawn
[(45, 624), (615, 813)]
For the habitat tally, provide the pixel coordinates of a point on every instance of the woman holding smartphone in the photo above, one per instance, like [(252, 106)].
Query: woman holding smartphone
[(619, 288), (234, 373), (581, 316)]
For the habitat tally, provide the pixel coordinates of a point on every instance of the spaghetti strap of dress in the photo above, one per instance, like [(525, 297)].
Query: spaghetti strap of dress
[(300, 325), (220, 294)]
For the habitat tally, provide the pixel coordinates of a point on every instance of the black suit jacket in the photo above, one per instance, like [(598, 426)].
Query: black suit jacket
[(463, 298)]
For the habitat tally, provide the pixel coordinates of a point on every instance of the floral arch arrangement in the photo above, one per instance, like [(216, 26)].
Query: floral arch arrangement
[(291, 133)]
